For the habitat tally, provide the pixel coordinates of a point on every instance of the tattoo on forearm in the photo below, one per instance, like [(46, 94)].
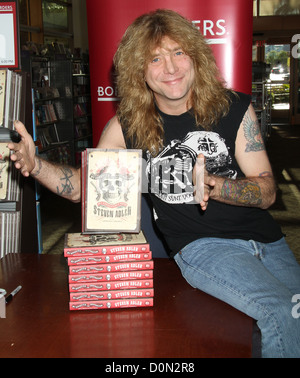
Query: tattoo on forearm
[(245, 193), (39, 168), (66, 185), (252, 134)]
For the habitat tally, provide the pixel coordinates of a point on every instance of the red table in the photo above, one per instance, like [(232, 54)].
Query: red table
[(184, 322)]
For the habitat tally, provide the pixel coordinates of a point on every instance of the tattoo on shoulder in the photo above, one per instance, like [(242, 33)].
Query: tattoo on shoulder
[(252, 134), (66, 185)]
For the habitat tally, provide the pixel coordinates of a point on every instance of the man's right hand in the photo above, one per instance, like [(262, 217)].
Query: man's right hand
[(23, 152)]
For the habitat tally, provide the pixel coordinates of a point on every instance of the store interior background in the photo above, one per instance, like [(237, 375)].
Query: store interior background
[(276, 42)]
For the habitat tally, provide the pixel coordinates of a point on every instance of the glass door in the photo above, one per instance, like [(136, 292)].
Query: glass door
[(277, 56)]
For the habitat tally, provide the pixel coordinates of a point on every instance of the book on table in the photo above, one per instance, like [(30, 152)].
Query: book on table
[(109, 271)]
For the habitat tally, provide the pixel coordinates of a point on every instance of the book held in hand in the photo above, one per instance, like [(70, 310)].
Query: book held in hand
[(111, 191)]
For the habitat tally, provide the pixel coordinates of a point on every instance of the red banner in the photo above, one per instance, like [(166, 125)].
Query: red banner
[(226, 24)]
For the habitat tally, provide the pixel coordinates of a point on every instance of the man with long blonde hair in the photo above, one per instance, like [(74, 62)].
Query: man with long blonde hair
[(176, 108)]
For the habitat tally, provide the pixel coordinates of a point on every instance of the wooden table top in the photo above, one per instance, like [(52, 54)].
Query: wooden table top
[(183, 323)]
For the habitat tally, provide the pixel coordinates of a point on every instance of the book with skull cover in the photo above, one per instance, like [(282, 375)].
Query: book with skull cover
[(111, 191)]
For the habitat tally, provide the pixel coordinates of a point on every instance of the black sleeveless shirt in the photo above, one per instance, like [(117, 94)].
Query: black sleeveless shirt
[(170, 185)]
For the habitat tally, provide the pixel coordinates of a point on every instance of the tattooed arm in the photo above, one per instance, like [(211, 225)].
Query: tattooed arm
[(62, 180), (258, 188)]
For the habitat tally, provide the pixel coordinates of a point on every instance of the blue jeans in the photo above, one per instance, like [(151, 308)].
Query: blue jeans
[(256, 278)]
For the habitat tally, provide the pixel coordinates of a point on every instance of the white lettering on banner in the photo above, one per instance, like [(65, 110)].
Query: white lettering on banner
[(208, 28), (107, 94)]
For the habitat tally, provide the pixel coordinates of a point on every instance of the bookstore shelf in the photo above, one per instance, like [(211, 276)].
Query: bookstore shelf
[(61, 116), (17, 201), (61, 107)]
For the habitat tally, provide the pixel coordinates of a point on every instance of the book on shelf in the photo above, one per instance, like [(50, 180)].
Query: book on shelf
[(111, 190), (10, 229), (10, 97), (79, 110), (9, 176), (47, 136), (45, 114), (2, 94), (10, 216), (4, 166), (60, 110), (15, 198)]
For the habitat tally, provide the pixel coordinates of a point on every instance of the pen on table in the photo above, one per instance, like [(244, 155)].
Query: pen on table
[(12, 294)]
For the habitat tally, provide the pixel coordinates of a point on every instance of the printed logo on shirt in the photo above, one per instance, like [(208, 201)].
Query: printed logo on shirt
[(170, 173)]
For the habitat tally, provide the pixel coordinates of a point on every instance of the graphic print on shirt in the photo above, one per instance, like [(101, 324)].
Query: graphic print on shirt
[(170, 172)]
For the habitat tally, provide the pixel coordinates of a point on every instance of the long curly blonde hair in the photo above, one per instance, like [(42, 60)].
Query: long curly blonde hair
[(137, 111)]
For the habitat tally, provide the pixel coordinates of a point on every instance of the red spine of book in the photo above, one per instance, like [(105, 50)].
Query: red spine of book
[(111, 294), (86, 260), (116, 267), (95, 251), (83, 185), (113, 276), (110, 285), (111, 304)]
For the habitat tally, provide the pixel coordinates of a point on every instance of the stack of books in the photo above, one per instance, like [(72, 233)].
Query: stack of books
[(109, 271)]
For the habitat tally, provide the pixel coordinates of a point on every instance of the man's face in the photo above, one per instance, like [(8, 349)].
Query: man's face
[(170, 75)]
